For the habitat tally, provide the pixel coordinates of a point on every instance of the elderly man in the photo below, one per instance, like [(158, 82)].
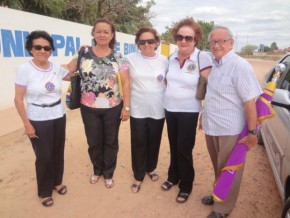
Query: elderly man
[(229, 106)]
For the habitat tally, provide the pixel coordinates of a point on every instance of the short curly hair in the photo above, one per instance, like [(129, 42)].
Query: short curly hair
[(192, 24), (146, 30), (36, 35)]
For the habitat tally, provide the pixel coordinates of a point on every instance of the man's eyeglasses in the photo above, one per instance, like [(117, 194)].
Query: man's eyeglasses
[(39, 47), (218, 42), (180, 38), (149, 41)]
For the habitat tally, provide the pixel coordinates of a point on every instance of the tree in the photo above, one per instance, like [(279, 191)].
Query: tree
[(267, 49), (206, 28), (166, 36), (273, 46), (127, 15), (248, 49), (51, 8)]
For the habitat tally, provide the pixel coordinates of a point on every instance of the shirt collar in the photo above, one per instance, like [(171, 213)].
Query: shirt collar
[(191, 57), (226, 58)]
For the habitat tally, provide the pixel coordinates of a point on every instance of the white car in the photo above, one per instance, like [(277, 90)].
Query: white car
[(275, 134)]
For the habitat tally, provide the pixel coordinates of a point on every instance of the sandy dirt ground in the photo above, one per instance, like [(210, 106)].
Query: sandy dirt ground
[(258, 196)]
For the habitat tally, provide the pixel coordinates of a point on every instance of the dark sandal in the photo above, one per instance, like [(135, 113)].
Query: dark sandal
[(166, 186), (183, 196), (48, 202), (217, 215), (153, 176), (62, 190), (135, 188), (207, 200)]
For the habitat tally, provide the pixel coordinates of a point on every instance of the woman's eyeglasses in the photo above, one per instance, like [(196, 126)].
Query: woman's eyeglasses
[(39, 47), (149, 41), (180, 38)]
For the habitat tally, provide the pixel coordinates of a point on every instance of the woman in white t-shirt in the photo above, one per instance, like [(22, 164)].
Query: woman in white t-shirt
[(181, 106), (44, 119), (147, 71)]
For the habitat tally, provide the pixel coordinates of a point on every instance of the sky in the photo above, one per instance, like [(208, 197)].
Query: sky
[(252, 22)]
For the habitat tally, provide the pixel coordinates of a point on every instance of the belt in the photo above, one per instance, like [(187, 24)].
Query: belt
[(48, 105)]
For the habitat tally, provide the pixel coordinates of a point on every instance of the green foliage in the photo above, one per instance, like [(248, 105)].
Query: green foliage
[(49, 8), (127, 15), (267, 49), (273, 46), (167, 36), (248, 49)]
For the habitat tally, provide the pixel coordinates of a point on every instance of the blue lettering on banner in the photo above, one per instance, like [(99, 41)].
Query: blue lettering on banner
[(129, 48), (12, 44), (117, 47)]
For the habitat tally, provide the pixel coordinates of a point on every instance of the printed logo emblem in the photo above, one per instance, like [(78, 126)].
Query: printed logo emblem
[(160, 78), (191, 68), (49, 86)]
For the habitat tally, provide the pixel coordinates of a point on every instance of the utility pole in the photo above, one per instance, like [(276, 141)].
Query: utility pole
[(236, 43)]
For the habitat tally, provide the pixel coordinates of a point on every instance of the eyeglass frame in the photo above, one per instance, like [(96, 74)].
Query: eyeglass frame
[(39, 47), (148, 41), (180, 38), (218, 42)]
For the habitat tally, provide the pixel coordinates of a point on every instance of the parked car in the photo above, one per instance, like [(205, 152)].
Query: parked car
[(275, 134)]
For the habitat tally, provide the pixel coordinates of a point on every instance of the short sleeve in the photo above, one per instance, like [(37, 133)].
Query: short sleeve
[(205, 60), (63, 72), (22, 76), (246, 82)]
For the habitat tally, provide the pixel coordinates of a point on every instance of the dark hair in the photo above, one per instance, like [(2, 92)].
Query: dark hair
[(36, 35), (105, 20), (146, 30), (193, 25)]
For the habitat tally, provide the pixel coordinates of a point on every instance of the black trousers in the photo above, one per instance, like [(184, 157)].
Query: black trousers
[(49, 152), (145, 143), (181, 127), (102, 130)]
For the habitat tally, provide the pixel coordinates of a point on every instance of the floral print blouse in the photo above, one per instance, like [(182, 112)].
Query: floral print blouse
[(99, 79)]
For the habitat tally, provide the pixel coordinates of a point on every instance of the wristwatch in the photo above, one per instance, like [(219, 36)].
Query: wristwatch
[(253, 131), (127, 108)]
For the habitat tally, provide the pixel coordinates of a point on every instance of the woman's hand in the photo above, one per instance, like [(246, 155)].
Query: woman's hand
[(30, 131), (125, 115)]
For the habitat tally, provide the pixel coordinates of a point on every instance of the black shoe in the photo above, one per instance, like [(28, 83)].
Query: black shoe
[(217, 215), (207, 200)]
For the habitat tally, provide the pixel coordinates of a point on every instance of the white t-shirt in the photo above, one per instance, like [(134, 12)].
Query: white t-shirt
[(147, 85), (42, 87), (182, 82)]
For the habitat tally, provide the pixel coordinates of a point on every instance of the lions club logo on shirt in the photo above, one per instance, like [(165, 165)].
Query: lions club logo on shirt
[(191, 68), (160, 78), (49, 86)]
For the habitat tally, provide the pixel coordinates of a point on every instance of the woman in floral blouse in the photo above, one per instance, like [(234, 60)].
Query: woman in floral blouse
[(102, 105)]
